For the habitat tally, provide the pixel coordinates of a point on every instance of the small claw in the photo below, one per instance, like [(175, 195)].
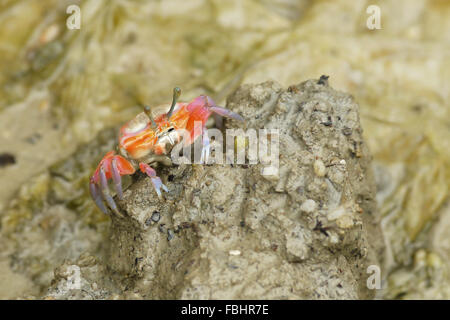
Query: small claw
[(117, 179), (157, 183), (226, 113), (93, 188), (105, 192)]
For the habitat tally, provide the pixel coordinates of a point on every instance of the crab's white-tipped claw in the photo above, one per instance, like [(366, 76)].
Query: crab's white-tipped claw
[(96, 196), (157, 184), (156, 181)]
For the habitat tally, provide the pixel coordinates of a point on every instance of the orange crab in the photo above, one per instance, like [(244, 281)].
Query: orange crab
[(149, 138)]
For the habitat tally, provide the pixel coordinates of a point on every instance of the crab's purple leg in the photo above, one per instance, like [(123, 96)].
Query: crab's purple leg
[(116, 178), (105, 191), (96, 196), (206, 147), (226, 113), (156, 181)]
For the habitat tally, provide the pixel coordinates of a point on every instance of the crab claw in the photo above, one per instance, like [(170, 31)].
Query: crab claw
[(96, 196), (156, 181), (110, 167), (105, 191)]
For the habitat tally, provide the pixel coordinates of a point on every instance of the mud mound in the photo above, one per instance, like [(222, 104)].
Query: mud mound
[(306, 231)]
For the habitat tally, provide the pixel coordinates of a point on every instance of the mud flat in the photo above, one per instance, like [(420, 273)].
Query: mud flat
[(308, 231)]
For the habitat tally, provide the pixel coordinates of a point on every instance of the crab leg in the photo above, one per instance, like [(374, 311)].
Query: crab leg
[(93, 188), (116, 178), (156, 181), (113, 167), (226, 113), (105, 191)]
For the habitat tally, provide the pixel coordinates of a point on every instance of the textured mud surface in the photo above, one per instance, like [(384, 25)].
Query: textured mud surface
[(228, 232), (51, 220)]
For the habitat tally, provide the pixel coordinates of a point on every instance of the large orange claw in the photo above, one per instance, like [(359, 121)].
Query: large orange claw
[(112, 166)]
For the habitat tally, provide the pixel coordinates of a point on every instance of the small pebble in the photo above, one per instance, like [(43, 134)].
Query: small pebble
[(234, 252), (345, 222), (433, 260), (319, 168), (334, 238), (170, 235), (308, 206), (156, 216), (270, 173), (343, 217), (347, 131), (420, 258), (336, 213)]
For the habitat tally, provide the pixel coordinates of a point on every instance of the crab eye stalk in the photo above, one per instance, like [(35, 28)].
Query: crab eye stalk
[(176, 95), (148, 112)]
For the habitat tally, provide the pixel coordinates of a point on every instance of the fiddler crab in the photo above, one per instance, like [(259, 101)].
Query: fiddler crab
[(149, 138)]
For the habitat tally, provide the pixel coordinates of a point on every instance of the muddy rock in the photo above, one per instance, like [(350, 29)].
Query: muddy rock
[(307, 231)]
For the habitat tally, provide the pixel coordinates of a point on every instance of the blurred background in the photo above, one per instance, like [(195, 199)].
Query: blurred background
[(63, 93)]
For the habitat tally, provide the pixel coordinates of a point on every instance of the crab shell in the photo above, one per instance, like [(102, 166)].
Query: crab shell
[(139, 138)]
